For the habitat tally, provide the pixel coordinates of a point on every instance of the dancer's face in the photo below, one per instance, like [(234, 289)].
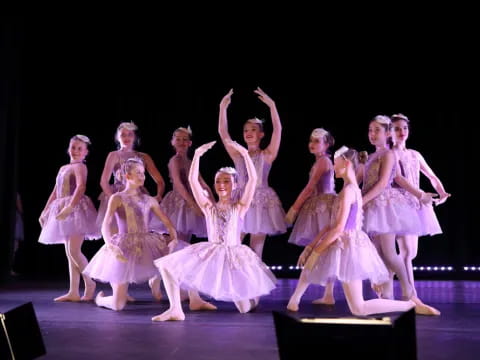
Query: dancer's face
[(340, 166), (181, 141), (136, 175), (126, 138), (77, 150), (252, 133), (224, 184), (317, 146), (400, 131), (377, 134)]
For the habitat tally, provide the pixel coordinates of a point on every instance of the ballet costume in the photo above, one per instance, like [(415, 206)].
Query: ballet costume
[(266, 214), (118, 181), (391, 212), (139, 246), (221, 267), (81, 221), (410, 168), (352, 256), (182, 216), (315, 213)]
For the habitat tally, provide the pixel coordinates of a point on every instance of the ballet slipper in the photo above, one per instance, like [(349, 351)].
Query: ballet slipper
[(170, 315), (201, 305), (325, 300), (292, 306), (67, 297)]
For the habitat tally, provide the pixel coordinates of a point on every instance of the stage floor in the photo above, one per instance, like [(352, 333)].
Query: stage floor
[(85, 331)]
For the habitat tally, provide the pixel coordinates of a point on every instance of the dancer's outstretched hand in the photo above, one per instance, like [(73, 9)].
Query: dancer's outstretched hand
[(264, 97), (441, 199), (226, 100), (202, 149), (427, 198)]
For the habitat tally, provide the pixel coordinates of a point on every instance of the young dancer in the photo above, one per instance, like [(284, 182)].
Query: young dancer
[(343, 251), (126, 137), (179, 204), (266, 215), (222, 267), (314, 204), (69, 218), (127, 256), (412, 164)]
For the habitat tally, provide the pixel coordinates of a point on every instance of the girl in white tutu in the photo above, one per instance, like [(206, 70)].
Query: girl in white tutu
[(343, 251), (69, 218), (128, 255), (411, 164), (127, 138), (179, 204), (222, 267), (314, 204), (266, 215)]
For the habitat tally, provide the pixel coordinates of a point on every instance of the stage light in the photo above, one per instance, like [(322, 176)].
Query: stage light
[(394, 336)]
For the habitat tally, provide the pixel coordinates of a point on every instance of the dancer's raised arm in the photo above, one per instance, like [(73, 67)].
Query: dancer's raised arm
[(198, 192)]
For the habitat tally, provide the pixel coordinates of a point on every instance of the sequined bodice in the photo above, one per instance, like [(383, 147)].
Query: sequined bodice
[(132, 215), (409, 166), (372, 171), (184, 170), (261, 166), (65, 181), (355, 214), (224, 224), (326, 183)]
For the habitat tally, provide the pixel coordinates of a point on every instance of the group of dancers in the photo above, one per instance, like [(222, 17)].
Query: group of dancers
[(347, 237)]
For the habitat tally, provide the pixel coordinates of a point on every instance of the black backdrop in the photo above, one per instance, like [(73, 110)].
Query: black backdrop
[(78, 76)]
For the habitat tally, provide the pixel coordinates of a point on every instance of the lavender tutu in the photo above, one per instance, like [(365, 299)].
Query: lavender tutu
[(221, 268), (266, 214), (351, 257), (410, 168), (314, 215), (391, 211), (139, 246), (81, 221)]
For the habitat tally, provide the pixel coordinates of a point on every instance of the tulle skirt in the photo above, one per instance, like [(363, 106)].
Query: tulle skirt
[(139, 251), (183, 218), (352, 257), (391, 212), (226, 273), (265, 215), (312, 218), (81, 221)]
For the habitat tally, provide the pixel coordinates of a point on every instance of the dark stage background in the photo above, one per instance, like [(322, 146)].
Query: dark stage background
[(60, 78)]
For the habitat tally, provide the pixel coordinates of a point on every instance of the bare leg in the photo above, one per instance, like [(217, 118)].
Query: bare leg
[(115, 302), (394, 262), (408, 246), (197, 303), (75, 251), (327, 298), (74, 279), (257, 241), (302, 286), (175, 312), (154, 284)]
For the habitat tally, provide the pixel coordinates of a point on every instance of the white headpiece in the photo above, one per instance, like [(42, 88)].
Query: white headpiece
[(188, 130), (255, 121), (128, 125), (340, 152), (228, 170), (319, 133), (382, 119), (83, 138), (400, 116)]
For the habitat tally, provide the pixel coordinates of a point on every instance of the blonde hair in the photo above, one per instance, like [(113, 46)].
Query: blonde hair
[(82, 138), (130, 163), (228, 170)]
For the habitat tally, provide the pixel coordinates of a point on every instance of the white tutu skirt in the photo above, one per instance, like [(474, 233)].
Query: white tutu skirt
[(312, 218), (81, 221), (226, 273), (429, 221), (183, 218), (139, 249), (352, 257), (265, 215), (391, 212)]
